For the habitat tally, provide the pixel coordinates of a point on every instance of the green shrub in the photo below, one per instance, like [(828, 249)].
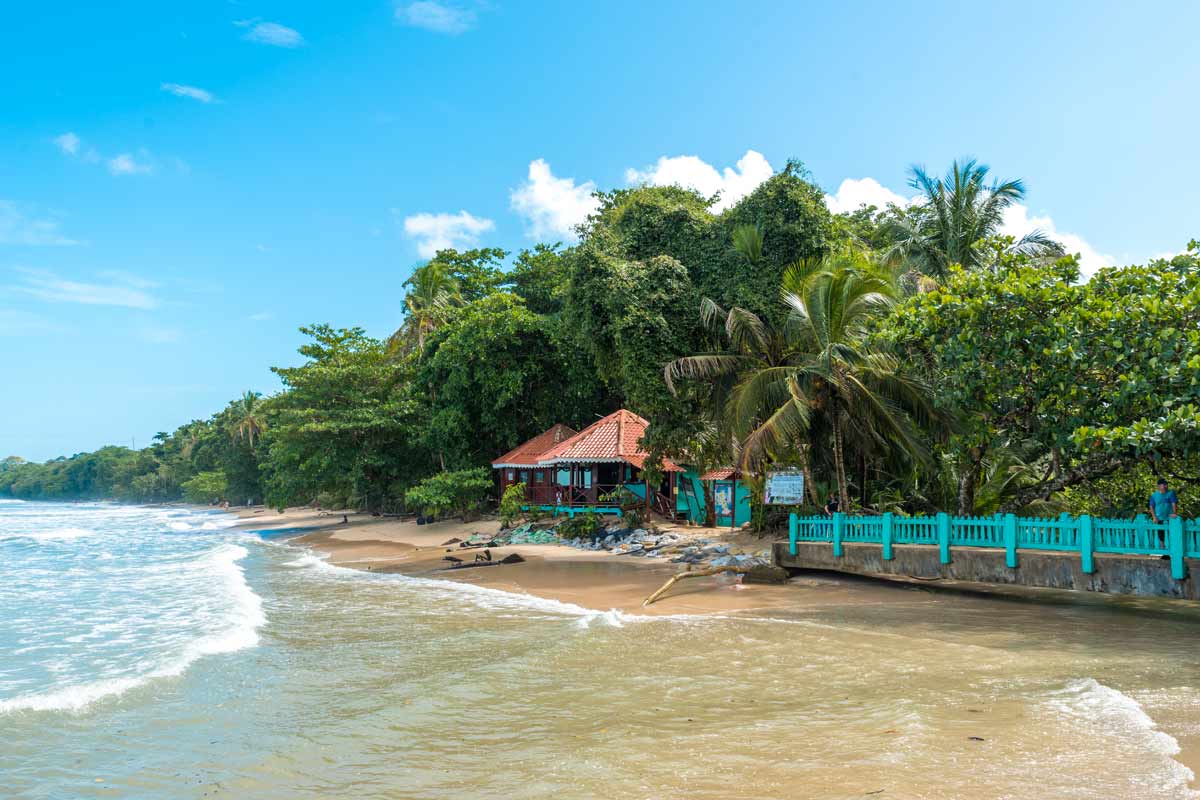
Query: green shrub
[(206, 487), (510, 504), (456, 493), (582, 526)]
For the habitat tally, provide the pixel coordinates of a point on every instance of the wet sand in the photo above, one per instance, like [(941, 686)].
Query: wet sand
[(591, 579)]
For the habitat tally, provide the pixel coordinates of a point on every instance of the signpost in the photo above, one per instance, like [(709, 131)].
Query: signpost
[(784, 487)]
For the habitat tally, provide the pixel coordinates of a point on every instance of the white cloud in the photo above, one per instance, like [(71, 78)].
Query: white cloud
[(436, 17), (435, 232), (855, 193), (551, 206), (18, 228), (122, 290), (691, 172), (68, 143), (126, 164), (1018, 222), (261, 316), (194, 92), (271, 33)]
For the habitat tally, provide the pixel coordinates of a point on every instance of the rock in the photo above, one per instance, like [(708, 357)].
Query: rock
[(452, 540)]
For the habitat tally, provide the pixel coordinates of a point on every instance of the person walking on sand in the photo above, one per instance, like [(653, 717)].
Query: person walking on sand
[(1164, 504)]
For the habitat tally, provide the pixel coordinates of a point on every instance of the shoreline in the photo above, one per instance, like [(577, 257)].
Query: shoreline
[(595, 580)]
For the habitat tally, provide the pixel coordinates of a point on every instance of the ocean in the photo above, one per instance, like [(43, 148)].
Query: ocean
[(162, 653)]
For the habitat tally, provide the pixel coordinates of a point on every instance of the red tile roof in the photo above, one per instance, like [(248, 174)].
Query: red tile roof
[(527, 454), (616, 437), (722, 474)]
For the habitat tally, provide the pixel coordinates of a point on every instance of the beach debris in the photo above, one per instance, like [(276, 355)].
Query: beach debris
[(451, 540), (486, 555), (452, 559)]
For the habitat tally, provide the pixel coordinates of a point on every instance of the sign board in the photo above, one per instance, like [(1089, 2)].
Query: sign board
[(784, 488)]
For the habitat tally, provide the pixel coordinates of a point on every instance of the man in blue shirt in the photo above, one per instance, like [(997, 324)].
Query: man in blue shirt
[(1163, 503)]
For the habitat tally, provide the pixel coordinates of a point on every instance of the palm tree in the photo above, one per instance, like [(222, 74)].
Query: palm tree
[(248, 422), (956, 214), (433, 293), (817, 374)]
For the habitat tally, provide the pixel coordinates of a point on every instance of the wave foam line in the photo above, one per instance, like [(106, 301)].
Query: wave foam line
[(244, 619), (1114, 711), (492, 599)]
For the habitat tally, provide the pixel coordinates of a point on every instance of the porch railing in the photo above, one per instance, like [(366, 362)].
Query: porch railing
[(1177, 539)]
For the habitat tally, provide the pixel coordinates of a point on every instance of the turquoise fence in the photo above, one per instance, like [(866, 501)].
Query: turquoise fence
[(1177, 539)]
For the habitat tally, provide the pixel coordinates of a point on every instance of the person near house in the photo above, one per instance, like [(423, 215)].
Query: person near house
[(832, 506)]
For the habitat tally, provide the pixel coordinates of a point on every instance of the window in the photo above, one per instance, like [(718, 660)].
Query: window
[(524, 476), (537, 476), (510, 476)]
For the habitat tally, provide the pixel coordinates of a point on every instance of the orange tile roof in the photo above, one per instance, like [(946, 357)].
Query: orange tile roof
[(527, 454), (616, 437), (722, 474)]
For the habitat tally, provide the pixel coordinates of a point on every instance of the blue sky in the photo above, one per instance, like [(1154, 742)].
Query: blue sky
[(181, 188)]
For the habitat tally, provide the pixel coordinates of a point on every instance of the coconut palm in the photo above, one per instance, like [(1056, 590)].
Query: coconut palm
[(816, 377), (248, 422), (955, 215), (432, 294)]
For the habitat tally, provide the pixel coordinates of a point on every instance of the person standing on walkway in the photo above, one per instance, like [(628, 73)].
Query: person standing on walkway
[(1163, 503)]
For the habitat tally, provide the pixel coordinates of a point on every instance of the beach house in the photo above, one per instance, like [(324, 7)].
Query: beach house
[(601, 469)]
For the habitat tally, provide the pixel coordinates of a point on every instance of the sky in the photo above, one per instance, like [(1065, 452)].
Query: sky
[(183, 186)]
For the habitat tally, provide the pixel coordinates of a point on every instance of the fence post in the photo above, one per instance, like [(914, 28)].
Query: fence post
[(1141, 534), (839, 522), (888, 518), (1087, 544), (1175, 548), (1010, 541), (943, 523), (793, 528)]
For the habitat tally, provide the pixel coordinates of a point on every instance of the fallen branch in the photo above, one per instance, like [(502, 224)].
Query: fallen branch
[(699, 573)]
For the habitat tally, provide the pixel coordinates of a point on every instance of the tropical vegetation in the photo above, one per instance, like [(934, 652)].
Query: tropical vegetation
[(911, 359)]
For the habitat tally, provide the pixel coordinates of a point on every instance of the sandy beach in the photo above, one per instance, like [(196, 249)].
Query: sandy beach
[(595, 580)]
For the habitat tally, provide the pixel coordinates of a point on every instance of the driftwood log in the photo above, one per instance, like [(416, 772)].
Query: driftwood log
[(757, 574)]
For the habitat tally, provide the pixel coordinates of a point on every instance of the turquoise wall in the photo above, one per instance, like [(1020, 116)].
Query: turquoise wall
[(686, 504)]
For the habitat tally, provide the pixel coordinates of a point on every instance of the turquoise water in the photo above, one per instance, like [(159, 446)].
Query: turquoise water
[(151, 653)]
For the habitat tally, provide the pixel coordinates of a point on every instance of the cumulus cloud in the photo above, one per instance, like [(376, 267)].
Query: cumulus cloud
[(17, 227), (126, 164), (551, 206), (855, 193), (434, 232), (68, 143), (691, 172), (437, 17), (194, 92), (271, 33), (1018, 222), (120, 289)]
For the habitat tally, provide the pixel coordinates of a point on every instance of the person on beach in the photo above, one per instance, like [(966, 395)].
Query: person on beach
[(832, 506)]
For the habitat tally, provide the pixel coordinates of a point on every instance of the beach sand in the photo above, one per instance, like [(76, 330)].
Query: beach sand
[(591, 579)]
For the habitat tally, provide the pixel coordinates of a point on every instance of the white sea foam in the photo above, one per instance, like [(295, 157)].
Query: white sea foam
[(492, 599), (179, 526), (1113, 713), (237, 629), (59, 534)]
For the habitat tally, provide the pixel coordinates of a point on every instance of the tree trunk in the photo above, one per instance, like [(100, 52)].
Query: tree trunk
[(710, 503), (968, 481), (839, 463)]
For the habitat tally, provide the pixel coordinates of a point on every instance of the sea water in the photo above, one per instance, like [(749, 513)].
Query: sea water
[(161, 653)]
